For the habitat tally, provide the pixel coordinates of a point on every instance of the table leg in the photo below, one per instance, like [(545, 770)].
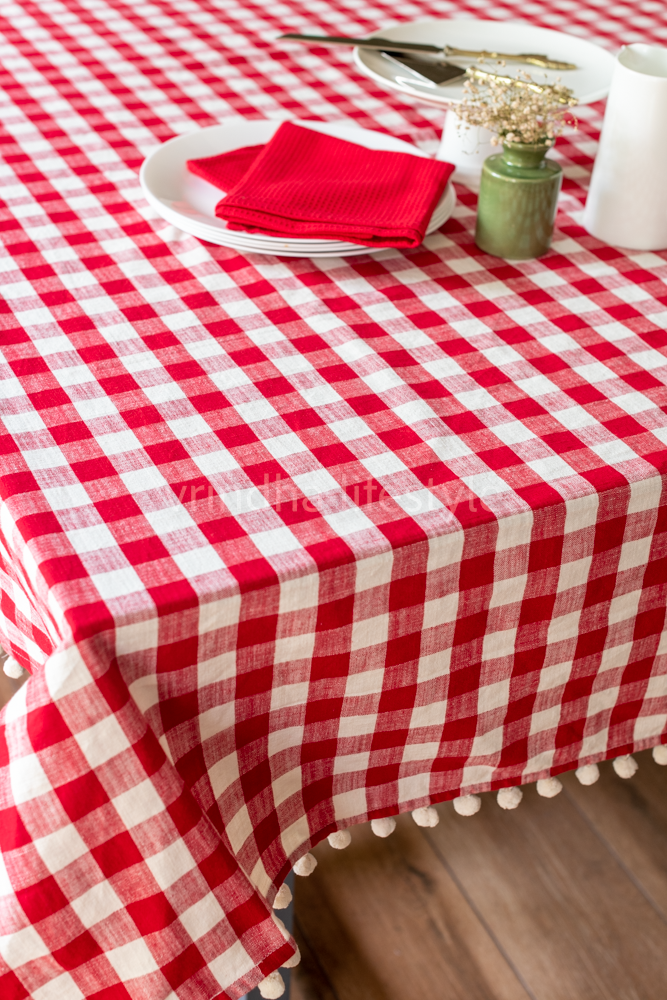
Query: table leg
[(287, 917)]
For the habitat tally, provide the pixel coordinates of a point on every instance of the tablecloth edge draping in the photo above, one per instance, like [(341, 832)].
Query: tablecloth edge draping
[(66, 674)]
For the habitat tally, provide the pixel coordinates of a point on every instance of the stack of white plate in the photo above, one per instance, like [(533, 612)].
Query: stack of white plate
[(188, 202)]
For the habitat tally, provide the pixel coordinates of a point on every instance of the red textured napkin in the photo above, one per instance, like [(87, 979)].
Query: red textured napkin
[(310, 185), (225, 170)]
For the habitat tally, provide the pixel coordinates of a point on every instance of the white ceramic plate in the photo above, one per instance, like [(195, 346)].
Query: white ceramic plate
[(590, 81), (188, 202)]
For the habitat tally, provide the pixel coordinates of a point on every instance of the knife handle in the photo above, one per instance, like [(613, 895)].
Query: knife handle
[(537, 88), (530, 58)]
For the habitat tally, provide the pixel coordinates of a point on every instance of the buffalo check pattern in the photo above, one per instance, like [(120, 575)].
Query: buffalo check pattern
[(287, 544)]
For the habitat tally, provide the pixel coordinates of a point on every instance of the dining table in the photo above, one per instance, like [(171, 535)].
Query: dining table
[(292, 544)]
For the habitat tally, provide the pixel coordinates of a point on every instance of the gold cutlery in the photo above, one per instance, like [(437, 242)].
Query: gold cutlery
[(537, 88), (444, 52)]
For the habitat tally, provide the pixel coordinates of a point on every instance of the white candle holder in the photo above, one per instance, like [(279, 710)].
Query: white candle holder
[(466, 147)]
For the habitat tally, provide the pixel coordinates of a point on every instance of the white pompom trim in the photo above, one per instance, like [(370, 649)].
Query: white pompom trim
[(283, 897), (467, 805), (425, 816), (625, 766), (306, 865), (509, 798), (292, 962), (549, 787), (383, 827), (272, 987), (340, 839), (587, 774), (660, 754), (12, 668)]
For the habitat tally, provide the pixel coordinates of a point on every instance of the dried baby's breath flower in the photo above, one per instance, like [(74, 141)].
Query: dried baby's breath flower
[(517, 109)]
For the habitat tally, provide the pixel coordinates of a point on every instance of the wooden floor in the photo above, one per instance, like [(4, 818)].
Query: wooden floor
[(8, 686), (560, 899)]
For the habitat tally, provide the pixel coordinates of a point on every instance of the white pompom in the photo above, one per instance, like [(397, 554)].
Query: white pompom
[(549, 787), (12, 668), (467, 805), (296, 958), (306, 865), (340, 839), (272, 987), (425, 816), (588, 774), (660, 754), (292, 962), (383, 827), (625, 766), (509, 798), (283, 897)]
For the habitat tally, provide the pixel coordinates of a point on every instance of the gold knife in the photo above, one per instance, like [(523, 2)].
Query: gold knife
[(444, 52)]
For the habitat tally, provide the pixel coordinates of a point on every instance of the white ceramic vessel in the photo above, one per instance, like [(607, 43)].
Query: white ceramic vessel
[(467, 147), (627, 200)]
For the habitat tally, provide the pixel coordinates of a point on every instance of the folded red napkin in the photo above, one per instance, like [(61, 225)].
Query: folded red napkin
[(310, 185)]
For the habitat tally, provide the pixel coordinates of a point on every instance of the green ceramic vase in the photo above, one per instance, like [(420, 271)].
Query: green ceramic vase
[(517, 202)]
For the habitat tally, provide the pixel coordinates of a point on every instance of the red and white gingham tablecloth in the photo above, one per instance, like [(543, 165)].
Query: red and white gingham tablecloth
[(291, 544)]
